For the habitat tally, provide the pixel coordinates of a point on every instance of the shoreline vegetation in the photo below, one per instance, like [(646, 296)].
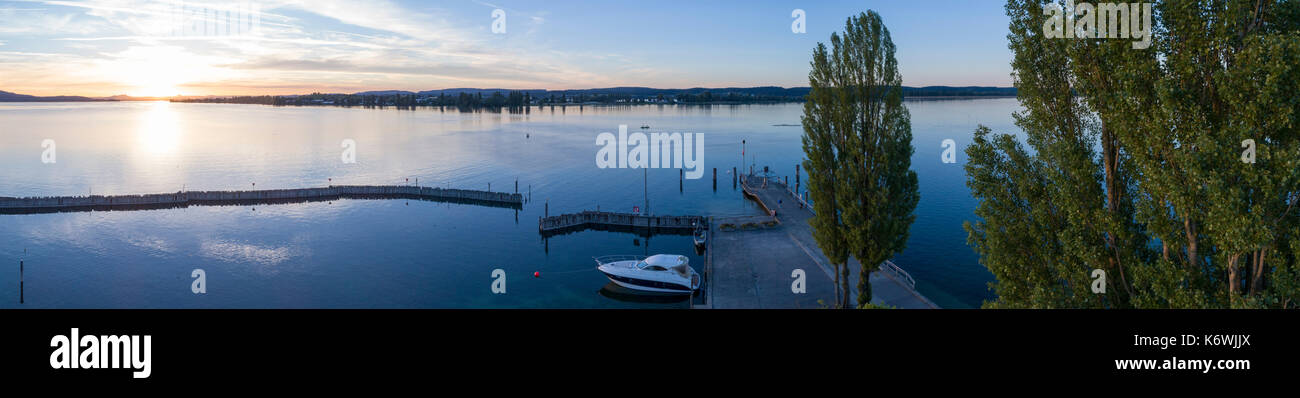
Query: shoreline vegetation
[(496, 99), (513, 99)]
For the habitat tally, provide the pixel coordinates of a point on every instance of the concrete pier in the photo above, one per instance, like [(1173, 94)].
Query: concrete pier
[(604, 220), (54, 204), (751, 263)]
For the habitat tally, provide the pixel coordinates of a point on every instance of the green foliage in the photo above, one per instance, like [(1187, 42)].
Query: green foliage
[(858, 141), (1167, 208)]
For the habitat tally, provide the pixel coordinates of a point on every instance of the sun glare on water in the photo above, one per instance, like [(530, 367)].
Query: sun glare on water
[(160, 130)]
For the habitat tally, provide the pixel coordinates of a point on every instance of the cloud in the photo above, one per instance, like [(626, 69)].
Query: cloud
[(106, 47), (245, 253)]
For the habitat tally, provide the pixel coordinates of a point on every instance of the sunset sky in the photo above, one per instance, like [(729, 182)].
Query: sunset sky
[(162, 48)]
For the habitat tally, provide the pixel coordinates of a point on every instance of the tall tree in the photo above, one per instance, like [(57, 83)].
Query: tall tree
[(1168, 209), (822, 146), (856, 101)]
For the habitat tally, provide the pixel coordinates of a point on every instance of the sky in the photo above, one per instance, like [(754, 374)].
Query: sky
[(164, 48)]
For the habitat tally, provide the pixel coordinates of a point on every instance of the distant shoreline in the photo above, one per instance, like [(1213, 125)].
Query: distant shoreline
[(955, 97), (496, 97)]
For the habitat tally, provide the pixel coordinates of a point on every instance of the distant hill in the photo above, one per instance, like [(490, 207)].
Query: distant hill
[(762, 91), (968, 91), (124, 97), (636, 92), (498, 98), (768, 93), (6, 96)]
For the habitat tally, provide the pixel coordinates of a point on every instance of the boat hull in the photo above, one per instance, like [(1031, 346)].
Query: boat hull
[(648, 285)]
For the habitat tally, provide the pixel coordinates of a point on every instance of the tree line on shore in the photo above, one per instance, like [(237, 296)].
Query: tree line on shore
[(510, 100)]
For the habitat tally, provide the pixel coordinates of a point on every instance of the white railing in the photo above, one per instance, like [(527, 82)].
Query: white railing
[(892, 269), (617, 257), (800, 199)]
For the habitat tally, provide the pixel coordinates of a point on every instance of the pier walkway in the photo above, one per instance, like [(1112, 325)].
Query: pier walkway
[(751, 261), (54, 204), (606, 221)]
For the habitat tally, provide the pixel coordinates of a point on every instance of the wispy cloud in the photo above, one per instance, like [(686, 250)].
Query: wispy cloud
[(380, 43)]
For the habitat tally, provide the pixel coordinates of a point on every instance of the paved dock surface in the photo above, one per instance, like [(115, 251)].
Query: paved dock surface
[(751, 267)]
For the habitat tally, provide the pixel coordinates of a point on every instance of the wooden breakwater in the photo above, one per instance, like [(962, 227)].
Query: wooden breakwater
[(610, 221), (53, 204)]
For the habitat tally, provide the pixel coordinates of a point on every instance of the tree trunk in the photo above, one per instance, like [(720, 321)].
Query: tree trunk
[(838, 300), (1257, 280), (1234, 278), (864, 286), (1110, 157), (844, 284)]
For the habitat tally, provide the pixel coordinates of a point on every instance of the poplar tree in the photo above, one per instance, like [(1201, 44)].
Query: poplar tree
[(1170, 208), (858, 140)]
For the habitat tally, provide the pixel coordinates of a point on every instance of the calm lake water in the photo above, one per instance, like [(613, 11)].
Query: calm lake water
[(397, 253)]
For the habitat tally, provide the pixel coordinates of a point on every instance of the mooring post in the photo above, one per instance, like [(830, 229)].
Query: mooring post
[(547, 211), (516, 185), (715, 178), (734, 177), (20, 281), (796, 179), (681, 175)]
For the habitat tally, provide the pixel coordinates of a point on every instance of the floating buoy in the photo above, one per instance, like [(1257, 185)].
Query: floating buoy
[(537, 274)]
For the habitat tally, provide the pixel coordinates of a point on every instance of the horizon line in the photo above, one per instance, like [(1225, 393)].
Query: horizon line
[(467, 88)]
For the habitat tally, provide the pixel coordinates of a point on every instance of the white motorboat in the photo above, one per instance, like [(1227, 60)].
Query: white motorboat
[(662, 273)]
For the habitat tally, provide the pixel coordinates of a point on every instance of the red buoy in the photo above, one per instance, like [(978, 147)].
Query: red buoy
[(537, 274)]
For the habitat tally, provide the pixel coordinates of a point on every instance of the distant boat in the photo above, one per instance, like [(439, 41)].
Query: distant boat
[(645, 126), (661, 273)]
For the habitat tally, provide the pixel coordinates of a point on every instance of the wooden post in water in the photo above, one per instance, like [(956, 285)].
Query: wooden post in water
[(516, 185), (20, 281), (796, 179), (681, 176), (734, 177), (715, 178)]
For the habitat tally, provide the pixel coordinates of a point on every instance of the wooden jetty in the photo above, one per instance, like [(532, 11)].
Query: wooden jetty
[(603, 220), (53, 204)]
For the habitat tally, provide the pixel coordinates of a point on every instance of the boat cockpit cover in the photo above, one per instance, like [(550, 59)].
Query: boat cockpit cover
[(667, 260)]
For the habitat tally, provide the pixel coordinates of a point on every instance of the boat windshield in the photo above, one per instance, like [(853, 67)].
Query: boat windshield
[(682, 270)]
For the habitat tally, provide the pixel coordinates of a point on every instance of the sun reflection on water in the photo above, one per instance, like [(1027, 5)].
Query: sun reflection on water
[(160, 129)]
